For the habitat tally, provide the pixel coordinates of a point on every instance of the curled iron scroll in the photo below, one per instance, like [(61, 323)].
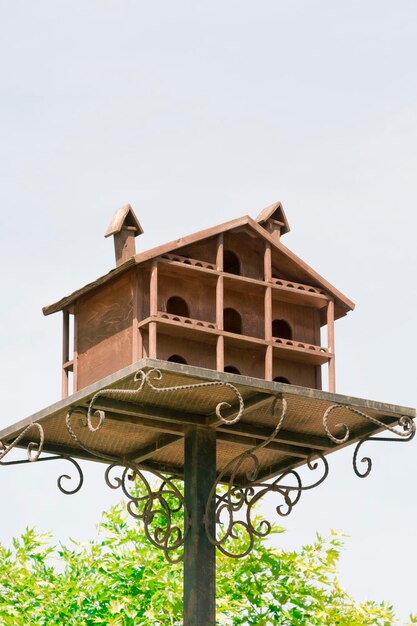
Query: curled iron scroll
[(36, 458), (236, 524), (404, 430), (33, 449), (148, 379), (160, 507), (66, 477), (144, 378)]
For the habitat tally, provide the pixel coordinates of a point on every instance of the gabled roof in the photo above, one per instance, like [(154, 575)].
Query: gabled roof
[(124, 218), (274, 212), (343, 304)]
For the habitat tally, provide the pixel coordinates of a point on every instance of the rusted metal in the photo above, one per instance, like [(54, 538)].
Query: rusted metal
[(187, 509), (404, 430), (148, 378), (235, 504), (200, 552), (230, 498), (237, 525), (58, 457), (406, 424), (165, 500), (160, 505), (33, 448), (241, 313)]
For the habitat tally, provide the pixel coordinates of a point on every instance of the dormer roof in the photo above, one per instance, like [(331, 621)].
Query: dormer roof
[(274, 212), (124, 218)]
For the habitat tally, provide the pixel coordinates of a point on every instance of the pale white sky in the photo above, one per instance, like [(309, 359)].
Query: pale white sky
[(197, 113)]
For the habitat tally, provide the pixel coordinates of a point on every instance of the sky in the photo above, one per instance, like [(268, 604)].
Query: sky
[(197, 113)]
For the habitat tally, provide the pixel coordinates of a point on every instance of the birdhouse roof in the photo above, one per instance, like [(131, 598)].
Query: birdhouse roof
[(296, 268)]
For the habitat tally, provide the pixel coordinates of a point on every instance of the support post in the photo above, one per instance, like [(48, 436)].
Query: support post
[(268, 334), (219, 324), (267, 263), (136, 333), (220, 252), (153, 298), (268, 312), (330, 345), (200, 553), (65, 352), (75, 349), (220, 304)]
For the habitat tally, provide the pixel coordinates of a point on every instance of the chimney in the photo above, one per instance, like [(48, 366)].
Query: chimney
[(124, 227), (274, 228)]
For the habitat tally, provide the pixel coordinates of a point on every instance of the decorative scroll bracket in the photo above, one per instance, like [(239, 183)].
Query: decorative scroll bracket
[(403, 431), (34, 450), (159, 509), (236, 492), (237, 526)]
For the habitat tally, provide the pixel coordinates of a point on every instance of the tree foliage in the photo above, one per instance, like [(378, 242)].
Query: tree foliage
[(120, 579)]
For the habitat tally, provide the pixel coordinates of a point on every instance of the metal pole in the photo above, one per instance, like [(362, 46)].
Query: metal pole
[(200, 554)]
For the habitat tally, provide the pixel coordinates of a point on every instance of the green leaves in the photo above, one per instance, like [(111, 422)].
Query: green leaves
[(121, 580)]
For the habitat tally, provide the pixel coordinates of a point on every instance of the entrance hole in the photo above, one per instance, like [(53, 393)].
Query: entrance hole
[(232, 321), (281, 379), (176, 358), (281, 329), (231, 262), (178, 306)]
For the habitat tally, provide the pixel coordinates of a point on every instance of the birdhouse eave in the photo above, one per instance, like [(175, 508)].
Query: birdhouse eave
[(342, 304)]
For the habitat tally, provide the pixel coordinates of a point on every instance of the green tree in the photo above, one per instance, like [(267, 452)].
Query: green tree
[(120, 579)]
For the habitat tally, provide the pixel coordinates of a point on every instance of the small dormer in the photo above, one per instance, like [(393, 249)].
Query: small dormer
[(124, 227), (274, 220)]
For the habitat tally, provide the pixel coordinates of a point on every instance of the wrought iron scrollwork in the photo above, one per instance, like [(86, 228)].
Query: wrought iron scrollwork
[(409, 429), (404, 430), (148, 378), (55, 457), (33, 449), (160, 507), (79, 480), (85, 412), (144, 378), (237, 526), (33, 452)]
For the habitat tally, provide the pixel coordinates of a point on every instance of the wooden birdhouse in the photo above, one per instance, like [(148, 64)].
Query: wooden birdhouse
[(230, 298)]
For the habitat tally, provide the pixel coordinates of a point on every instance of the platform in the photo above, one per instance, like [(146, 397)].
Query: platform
[(148, 427)]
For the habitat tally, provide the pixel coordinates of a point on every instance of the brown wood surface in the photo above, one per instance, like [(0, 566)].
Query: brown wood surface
[(288, 262), (220, 302), (127, 315), (269, 352), (136, 289), (204, 249), (199, 296), (104, 331), (297, 352), (65, 352), (76, 384), (250, 251), (199, 553), (331, 346)]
